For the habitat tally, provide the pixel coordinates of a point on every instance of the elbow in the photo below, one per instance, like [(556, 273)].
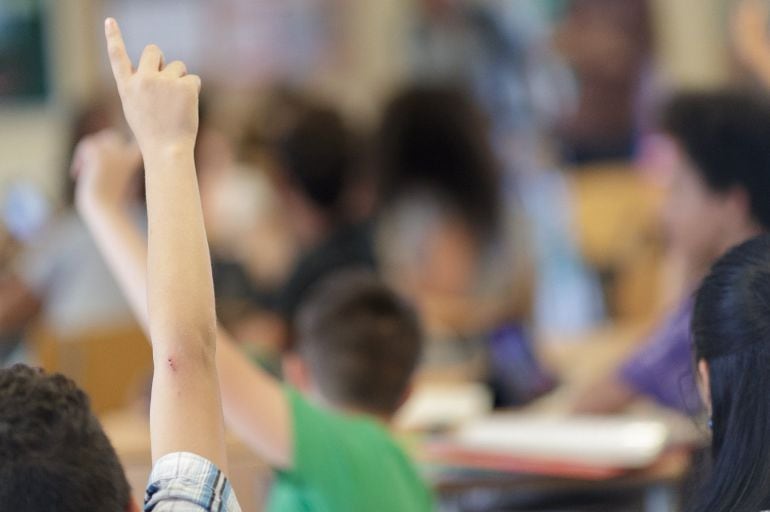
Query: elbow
[(185, 349)]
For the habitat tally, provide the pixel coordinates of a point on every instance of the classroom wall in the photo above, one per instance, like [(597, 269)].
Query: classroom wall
[(692, 41), (32, 141), (689, 32)]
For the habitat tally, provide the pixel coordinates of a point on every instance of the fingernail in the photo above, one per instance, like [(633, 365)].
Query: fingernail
[(109, 22)]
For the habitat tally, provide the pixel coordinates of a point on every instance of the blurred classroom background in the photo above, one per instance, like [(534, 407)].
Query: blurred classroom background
[(537, 265)]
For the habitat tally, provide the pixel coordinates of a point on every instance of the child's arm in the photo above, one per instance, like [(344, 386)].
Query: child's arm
[(161, 106), (254, 403), (751, 39)]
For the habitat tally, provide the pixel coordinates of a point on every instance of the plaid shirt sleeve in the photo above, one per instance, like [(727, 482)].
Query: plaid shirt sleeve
[(185, 482)]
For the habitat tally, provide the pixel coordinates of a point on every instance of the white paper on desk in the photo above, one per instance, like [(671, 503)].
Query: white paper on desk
[(444, 405), (596, 441)]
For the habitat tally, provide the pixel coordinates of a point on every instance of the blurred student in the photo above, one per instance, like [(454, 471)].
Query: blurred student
[(751, 39), (439, 216), (60, 277), (730, 323), (446, 240), (608, 45), (501, 52), (311, 155), (719, 165), (318, 179), (357, 345), (55, 455)]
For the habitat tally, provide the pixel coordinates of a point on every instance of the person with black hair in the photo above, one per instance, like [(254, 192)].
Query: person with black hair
[(433, 141), (54, 454), (730, 326), (447, 240), (718, 158), (319, 175), (59, 279)]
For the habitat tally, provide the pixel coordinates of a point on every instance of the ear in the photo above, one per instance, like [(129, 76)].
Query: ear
[(704, 383), (296, 372)]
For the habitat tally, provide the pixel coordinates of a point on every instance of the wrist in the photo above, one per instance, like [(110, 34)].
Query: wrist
[(94, 207), (162, 153)]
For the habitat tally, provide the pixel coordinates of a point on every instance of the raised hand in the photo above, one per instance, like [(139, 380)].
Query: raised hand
[(161, 106), (174, 273), (160, 101), (105, 166), (750, 37)]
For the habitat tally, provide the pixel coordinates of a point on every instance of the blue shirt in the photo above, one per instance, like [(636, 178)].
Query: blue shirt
[(663, 369), (185, 482)]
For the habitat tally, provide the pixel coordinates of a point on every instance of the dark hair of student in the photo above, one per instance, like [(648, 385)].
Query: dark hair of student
[(360, 340), (433, 139), (54, 454), (318, 153), (731, 331), (725, 134)]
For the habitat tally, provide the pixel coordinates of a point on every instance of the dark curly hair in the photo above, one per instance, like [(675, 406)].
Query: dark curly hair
[(54, 454)]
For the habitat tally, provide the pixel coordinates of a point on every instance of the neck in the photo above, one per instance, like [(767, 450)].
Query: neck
[(738, 236), (734, 237), (385, 419), (695, 270), (353, 410)]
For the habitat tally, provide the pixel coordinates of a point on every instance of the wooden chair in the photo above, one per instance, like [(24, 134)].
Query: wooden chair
[(617, 217), (112, 365)]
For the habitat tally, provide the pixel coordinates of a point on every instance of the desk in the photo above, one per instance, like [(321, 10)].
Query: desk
[(575, 361), (578, 363), (656, 487)]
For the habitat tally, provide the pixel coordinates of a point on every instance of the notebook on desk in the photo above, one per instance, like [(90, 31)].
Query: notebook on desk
[(440, 406), (570, 447)]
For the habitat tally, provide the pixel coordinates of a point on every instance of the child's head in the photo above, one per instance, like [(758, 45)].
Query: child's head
[(357, 344), (731, 335), (720, 171), (315, 152), (54, 454), (433, 141)]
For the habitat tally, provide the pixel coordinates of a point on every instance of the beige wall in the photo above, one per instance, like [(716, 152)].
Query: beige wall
[(689, 33), (691, 41), (32, 137), (372, 59)]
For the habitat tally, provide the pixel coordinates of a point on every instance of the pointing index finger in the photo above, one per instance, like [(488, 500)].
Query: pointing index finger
[(116, 48)]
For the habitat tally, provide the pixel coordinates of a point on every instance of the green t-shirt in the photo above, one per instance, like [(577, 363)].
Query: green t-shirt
[(345, 463)]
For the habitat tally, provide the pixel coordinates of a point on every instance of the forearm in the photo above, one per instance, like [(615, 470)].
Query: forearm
[(762, 70), (185, 405), (124, 249), (254, 403), (180, 289)]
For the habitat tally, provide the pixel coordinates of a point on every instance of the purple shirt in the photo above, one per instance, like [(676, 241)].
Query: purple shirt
[(663, 368)]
